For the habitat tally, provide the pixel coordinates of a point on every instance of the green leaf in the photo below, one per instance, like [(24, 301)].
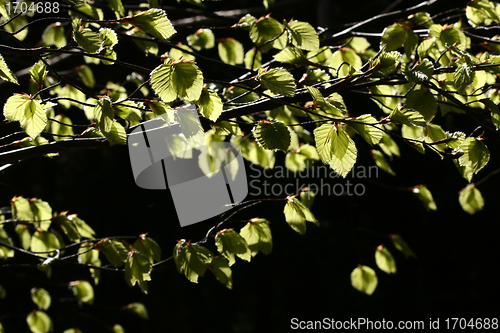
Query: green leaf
[(384, 259), (470, 199), (415, 133), (3, 10), (138, 309), (83, 291), (424, 102), (90, 41), (402, 246), (87, 255), (245, 22), (148, 247), (201, 39), (371, 134), (291, 55), (495, 112), (117, 134), (21, 209), (303, 36), (407, 117), (331, 109), (54, 35), (153, 21), (389, 62), (253, 59), (6, 252), (424, 47), (28, 112), (181, 51), (296, 215), (222, 271), (104, 115), (137, 270), (421, 72), (44, 241), (230, 243), (210, 104), (115, 251), (191, 126), (425, 196), (381, 162), (264, 33), (389, 146), (258, 236), (231, 51), (117, 6), (463, 77), (62, 127), (118, 329), (395, 36), (177, 78), (364, 279), (5, 72), (24, 235), (39, 322), (278, 80), (295, 160), (273, 135), (335, 147), (476, 154), (192, 260), (342, 56)]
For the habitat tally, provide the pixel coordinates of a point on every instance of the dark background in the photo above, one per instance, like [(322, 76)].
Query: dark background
[(308, 276)]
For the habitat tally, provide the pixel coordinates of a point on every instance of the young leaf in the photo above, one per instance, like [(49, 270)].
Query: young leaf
[(381, 162), (41, 298), (402, 246), (222, 271), (303, 36), (476, 154), (421, 72), (424, 102), (201, 39), (54, 35), (372, 134), (364, 279), (83, 291), (463, 77), (273, 135), (389, 62), (44, 241), (24, 235), (153, 21), (384, 259), (210, 104), (29, 112), (278, 80), (407, 117), (148, 247), (103, 114), (231, 51), (230, 243), (341, 57), (296, 215), (5, 72), (335, 147), (470, 199), (264, 33), (90, 41), (395, 36), (192, 260), (6, 252), (258, 236), (137, 270), (423, 193), (138, 309), (389, 146), (62, 127), (253, 59), (117, 6), (115, 251), (117, 134), (39, 322)]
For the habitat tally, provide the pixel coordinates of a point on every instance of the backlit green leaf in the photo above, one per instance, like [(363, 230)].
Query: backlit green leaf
[(264, 33), (253, 59), (407, 117), (402, 246), (44, 241), (5, 72), (336, 148), (61, 127), (39, 322), (137, 270), (371, 133), (364, 279), (273, 135), (231, 51), (382, 162), (303, 36), (296, 215), (463, 77), (28, 112), (148, 247), (230, 243), (342, 56), (153, 21), (192, 260), (138, 309), (278, 80), (54, 35), (83, 291), (425, 196), (210, 104), (470, 199), (421, 72), (476, 154), (424, 102), (258, 236), (115, 251), (90, 41), (6, 252), (222, 271), (117, 134), (384, 259), (201, 39)]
